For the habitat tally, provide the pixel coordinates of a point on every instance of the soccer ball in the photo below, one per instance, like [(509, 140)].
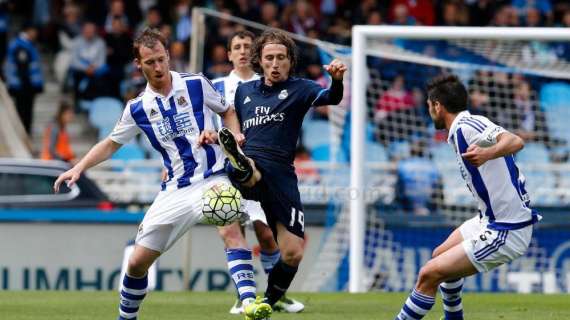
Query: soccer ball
[(222, 205)]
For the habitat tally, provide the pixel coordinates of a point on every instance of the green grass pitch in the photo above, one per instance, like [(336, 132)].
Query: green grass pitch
[(69, 305)]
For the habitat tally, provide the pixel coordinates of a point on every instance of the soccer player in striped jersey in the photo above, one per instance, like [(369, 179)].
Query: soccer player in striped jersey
[(175, 113), (503, 229), (239, 47)]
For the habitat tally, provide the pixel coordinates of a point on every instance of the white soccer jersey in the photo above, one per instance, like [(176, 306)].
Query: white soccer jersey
[(498, 185), (227, 86), (173, 124)]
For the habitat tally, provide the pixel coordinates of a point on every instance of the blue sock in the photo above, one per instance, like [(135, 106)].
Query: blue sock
[(268, 260), (240, 265), (451, 294), (133, 292), (416, 307)]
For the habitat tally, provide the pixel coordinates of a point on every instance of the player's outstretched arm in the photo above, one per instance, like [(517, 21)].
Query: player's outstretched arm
[(507, 144), (336, 69), (99, 153)]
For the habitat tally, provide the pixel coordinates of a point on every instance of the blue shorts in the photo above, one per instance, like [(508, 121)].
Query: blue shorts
[(278, 193)]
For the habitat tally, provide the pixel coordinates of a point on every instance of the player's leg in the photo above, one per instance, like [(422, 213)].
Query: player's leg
[(240, 264), (270, 255), (451, 264), (135, 281), (241, 168)]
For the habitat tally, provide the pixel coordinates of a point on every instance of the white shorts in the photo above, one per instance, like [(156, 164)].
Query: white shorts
[(172, 213), (488, 249), (255, 212)]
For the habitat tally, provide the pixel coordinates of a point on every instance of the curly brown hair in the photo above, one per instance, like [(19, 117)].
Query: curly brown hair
[(276, 37), (149, 38)]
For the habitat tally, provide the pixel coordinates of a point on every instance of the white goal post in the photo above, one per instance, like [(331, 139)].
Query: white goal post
[(360, 36)]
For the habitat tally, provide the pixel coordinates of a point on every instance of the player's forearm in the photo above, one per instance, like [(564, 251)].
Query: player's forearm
[(231, 121), (99, 153), (336, 91), (507, 144)]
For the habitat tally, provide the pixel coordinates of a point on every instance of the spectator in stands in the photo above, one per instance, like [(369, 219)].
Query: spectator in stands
[(88, 63), (246, 10), (306, 172), (300, 17), (178, 59), (133, 84), (543, 6), (219, 65), (116, 11), (339, 31), (269, 11), (419, 183), (56, 142), (506, 16), (529, 121), (153, 20), (183, 21), (481, 12), (23, 73), (422, 11), (454, 13), (67, 31), (375, 18), (533, 18), (118, 54), (402, 17), (397, 113)]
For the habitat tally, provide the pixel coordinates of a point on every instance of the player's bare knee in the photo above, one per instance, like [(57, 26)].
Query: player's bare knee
[(137, 267), (292, 255), (429, 276)]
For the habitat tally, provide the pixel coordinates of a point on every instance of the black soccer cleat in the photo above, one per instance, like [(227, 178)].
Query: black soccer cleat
[(242, 168)]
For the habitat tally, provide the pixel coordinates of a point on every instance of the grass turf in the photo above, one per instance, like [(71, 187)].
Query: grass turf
[(69, 305)]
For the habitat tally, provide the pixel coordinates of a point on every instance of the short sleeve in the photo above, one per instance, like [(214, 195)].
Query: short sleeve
[(126, 128), (212, 97), (489, 132)]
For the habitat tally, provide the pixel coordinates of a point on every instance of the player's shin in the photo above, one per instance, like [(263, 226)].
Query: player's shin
[(268, 260), (416, 307), (451, 295), (133, 292), (279, 281), (240, 266)]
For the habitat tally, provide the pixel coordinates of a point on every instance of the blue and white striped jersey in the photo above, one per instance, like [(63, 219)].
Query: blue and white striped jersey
[(498, 185), (227, 85), (173, 124)]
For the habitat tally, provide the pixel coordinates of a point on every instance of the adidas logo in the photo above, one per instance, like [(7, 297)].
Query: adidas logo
[(153, 112), (246, 100)]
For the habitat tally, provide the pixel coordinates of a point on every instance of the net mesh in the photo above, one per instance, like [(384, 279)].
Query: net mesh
[(419, 196)]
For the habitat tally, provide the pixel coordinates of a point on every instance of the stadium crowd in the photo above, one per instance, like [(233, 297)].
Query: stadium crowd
[(85, 46)]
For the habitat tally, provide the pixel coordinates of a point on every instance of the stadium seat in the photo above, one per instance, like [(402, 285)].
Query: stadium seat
[(375, 152), (442, 153), (555, 95), (322, 153), (399, 149), (105, 112), (533, 153), (316, 133)]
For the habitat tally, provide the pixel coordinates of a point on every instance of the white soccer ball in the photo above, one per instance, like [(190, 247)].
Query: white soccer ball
[(222, 205)]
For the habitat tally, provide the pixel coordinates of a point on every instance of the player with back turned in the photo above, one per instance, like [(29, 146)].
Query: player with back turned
[(503, 229), (271, 111)]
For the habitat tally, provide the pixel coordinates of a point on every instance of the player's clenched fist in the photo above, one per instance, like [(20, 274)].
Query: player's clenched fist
[(336, 69)]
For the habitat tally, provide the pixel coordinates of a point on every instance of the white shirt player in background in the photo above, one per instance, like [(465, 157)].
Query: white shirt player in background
[(239, 46), (175, 113), (503, 229)]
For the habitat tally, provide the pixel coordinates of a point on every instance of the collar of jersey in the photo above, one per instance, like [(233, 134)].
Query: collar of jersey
[(233, 74), (455, 122), (275, 86), (177, 85)]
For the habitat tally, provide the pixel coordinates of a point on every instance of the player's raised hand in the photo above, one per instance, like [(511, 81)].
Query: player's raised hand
[(71, 176), (336, 69), (476, 155), (208, 137)]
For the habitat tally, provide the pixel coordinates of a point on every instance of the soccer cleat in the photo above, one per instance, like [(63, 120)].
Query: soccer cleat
[(258, 310), (237, 308), (239, 161), (288, 305)]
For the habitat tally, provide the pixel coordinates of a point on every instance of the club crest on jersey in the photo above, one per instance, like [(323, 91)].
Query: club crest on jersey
[(283, 94), (182, 101)]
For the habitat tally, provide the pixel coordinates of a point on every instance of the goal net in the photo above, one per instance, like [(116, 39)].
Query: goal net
[(407, 194)]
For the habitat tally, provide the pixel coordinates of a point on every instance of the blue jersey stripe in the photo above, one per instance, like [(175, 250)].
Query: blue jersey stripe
[(471, 125), (197, 99), (481, 123), (475, 177), (142, 121), (514, 173), (476, 123), (184, 148), (220, 86)]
